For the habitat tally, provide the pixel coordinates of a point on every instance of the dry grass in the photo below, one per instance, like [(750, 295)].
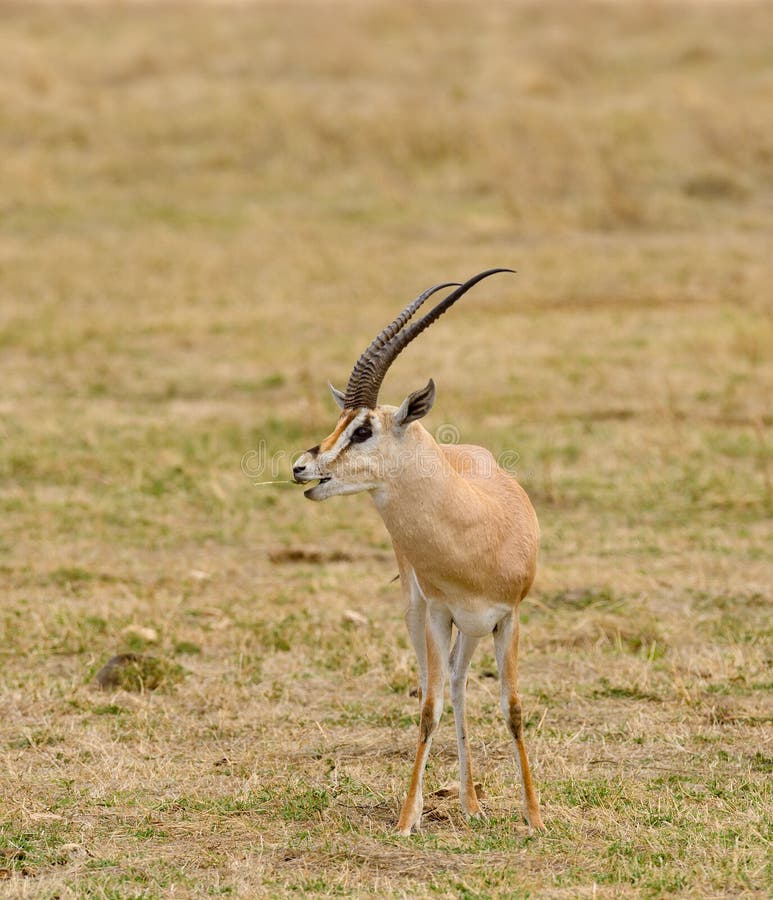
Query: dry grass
[(206, 212)]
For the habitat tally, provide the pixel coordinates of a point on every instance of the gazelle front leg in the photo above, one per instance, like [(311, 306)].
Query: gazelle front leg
[(506, 648), (438, 637), (464, 647), (416, 621)]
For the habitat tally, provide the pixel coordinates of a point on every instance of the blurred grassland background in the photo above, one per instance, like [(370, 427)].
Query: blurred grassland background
[(206, 211)]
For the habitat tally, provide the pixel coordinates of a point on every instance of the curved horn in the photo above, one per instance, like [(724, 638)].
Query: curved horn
[(364, 392), (365, 367)]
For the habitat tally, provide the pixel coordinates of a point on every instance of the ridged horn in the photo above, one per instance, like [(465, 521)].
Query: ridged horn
[(366, 366), (371, 368)]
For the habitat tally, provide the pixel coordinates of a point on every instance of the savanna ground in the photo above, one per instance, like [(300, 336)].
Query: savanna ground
[(206, 213)]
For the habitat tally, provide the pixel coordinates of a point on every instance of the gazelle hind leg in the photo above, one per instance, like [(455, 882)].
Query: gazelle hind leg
[(438, 637), (506, 648), (464, 647)]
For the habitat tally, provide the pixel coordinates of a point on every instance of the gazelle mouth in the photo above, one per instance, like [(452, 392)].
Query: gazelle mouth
[(321, 481)]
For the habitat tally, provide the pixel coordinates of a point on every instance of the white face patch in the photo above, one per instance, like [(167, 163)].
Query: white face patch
[(347, 461), (351, 435)]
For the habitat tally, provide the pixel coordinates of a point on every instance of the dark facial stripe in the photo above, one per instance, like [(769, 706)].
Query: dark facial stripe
[(366, 426)]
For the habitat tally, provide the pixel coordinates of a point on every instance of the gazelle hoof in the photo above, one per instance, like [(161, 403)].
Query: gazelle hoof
[(405, 830), (470, 806)]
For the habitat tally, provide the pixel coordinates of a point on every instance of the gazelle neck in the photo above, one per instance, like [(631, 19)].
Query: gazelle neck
[(415, 496)]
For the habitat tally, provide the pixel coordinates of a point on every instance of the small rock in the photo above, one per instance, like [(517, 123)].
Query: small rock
[(136, 672), (453, 791), (143, 632), (355, 618)]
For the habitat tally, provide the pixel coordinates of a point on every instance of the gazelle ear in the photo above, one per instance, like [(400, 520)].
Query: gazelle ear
[(338, 396), (416, 405)]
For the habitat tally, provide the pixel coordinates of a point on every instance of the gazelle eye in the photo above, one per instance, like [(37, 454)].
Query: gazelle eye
[(361, 434)]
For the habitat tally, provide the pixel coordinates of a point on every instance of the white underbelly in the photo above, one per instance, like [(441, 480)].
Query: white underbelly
[(476, 617), (477, 621)]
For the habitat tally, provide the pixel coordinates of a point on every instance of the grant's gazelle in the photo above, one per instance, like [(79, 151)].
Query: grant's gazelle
[(464, 533)]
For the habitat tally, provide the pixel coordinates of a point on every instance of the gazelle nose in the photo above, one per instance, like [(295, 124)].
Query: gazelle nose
[(298, 469)]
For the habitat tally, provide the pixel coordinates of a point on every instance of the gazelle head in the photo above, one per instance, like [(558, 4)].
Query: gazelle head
[(369, 441)]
